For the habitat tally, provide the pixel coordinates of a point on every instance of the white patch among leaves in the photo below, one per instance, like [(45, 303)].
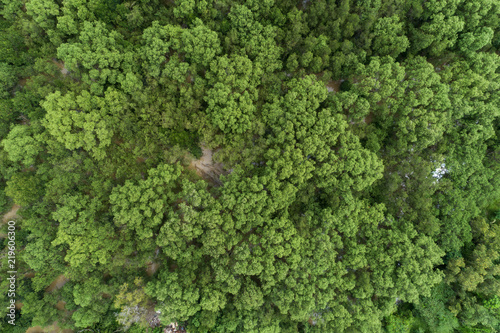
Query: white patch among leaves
[(440, 171)]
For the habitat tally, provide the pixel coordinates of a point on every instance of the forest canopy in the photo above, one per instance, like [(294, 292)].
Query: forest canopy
[(251, 166)]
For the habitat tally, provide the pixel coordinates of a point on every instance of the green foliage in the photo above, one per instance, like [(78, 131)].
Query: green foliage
[(23, 323), (84, 121), (3, 200), (389, 37), (434, 311), (187, 140), (7, 79), (141, 206), (88, 295), (399, 324), (24, 188), (368, 207), (231, 100), (21, 145)]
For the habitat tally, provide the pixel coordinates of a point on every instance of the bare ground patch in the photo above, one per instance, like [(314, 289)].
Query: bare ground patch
[(60, 65), (206, 168), (152, 267), (334, 85), (58, 283), (11, 214)]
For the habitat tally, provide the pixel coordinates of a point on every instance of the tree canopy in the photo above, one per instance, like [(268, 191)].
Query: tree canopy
[(252, 166)]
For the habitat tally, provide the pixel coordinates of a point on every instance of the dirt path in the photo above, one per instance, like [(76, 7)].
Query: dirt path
[(206, 168), (152, 267), (60, 305), (11, 214), (60, 64), (58, 283), (334, 85)]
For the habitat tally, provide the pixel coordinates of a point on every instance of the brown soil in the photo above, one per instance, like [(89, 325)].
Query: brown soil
[(369, 118), (12, 214), (23, 81), (60, 64), (206, 168), (60, 305), (334, 85), (152, 268), (9, 216), (58, 283)]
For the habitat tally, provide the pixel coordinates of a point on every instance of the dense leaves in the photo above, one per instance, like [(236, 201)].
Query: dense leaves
[(252, 166)]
